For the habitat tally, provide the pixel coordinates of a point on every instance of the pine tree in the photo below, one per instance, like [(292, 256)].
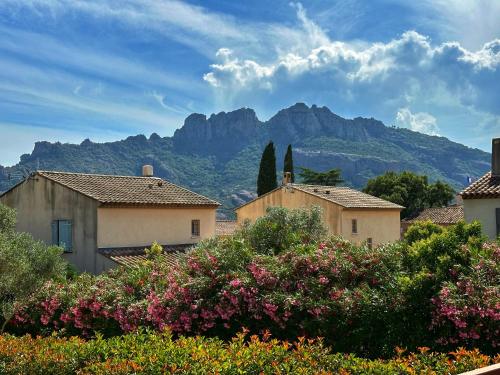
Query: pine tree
[(288, 163), (267, 171)]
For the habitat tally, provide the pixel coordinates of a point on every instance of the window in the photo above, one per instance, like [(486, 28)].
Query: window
[(354, 226), (195, 228), (62, 234), (369, 242)]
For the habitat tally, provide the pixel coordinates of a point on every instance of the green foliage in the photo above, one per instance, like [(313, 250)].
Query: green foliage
[(409, 190), (7, 219), (421, 230), (25, 265), (328, 178), (282, 229), (266, 181), (157, 353), (288, 163), (154, 251)]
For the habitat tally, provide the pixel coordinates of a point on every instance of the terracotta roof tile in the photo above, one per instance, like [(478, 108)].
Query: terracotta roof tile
[(487, 186), (115, 190), (134, 256), (346, 197), (225, 227), (440, 215)]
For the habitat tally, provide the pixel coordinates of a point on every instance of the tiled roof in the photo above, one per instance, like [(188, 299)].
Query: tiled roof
[(225, 227), (487, 186), (116, 190), (346, 197), (440, 215), (134, 256)]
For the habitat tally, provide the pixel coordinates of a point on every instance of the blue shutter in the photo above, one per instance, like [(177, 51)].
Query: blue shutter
[(55, 237), (65, 235)]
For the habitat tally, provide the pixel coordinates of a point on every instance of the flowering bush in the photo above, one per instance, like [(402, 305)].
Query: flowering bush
[(150, 353), (361, 300)]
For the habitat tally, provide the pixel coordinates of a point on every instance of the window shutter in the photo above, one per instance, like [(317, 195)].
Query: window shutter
[(55, 237), (65, 235)]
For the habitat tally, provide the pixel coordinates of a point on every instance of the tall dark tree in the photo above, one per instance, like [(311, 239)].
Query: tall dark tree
[(410, 190), (328, 178), (267, 171), (288, 163)]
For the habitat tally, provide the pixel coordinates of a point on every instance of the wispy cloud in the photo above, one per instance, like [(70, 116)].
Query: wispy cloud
[(420, 122)]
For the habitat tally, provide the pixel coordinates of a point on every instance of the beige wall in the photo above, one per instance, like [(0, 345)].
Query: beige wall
[(291, 198), (121, 227), (38, 201), (382, 225), (484, 211)]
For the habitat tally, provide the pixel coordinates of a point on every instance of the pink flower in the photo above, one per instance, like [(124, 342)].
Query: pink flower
[(323, 280), (235, 283)]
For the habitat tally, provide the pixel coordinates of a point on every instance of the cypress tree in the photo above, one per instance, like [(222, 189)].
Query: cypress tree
[(267, 171), (288, 163)]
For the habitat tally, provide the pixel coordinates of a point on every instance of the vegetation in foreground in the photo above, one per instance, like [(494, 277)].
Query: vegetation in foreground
[(155, 353), (438, 288)]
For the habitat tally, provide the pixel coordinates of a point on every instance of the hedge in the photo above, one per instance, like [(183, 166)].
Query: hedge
[(155, 353), (439, 291)]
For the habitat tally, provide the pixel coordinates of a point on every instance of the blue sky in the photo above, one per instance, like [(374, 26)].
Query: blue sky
[(106, 69)]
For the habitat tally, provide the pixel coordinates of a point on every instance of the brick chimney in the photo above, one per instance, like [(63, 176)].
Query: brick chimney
[(495, 157), (147, 170), (287, 178)]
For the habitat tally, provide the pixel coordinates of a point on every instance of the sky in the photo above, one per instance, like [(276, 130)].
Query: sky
[(107, 69)]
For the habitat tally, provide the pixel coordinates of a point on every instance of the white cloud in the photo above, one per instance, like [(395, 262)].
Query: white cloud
[(420, 122)]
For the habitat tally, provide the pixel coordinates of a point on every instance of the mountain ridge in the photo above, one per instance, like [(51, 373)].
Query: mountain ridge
[(218, 155)]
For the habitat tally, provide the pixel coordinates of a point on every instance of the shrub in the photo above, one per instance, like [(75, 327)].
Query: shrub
[(282, 229), (421, 230), (25, 265), (150, 353)]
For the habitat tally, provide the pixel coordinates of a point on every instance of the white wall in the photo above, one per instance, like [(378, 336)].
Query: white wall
[(484, 211)]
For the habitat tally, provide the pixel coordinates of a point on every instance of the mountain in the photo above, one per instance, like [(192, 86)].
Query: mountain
[(219, 156)]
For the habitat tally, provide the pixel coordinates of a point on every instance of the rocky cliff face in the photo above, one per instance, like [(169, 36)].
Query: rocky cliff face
[(223, 134), (219, 156)]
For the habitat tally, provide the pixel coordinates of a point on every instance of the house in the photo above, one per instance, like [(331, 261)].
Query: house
[(104, 220), (354, 215), (443, 216), (482, 198)]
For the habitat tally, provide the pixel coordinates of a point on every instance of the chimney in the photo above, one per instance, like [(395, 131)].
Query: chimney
[(287, 178), (495, 157), (147, 170)]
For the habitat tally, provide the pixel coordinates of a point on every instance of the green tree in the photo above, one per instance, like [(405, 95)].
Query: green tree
[(409, 190), (25, 265), (328, 178), (288, 163), (266, 180)]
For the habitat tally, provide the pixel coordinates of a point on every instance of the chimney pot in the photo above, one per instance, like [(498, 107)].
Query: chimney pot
[(147, 170), (495, 157), (287, 178)]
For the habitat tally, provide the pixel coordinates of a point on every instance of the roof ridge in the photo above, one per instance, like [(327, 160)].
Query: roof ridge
[(98, 174)]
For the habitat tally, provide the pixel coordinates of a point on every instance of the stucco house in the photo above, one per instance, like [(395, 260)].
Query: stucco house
[(105, 220), (482, 198), (354, 215)]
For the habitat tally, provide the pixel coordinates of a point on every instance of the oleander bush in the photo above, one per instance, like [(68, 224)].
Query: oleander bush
[(440, 291), (155, 353)]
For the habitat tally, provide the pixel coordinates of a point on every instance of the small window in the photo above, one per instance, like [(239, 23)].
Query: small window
[(369, 242), (354, 226), (62, 234), (195, 228)]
